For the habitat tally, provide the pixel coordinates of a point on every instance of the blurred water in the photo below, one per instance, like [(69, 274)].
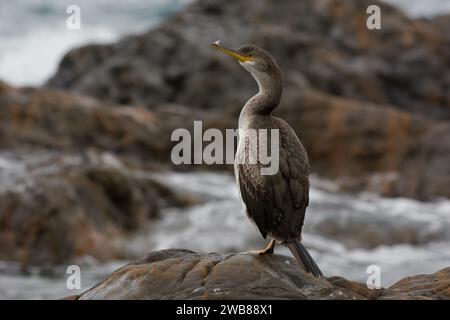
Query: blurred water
[(345, 233), (52, 285), (34, 36), (422, 8)]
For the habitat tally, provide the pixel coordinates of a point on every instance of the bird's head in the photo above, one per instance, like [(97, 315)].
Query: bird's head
[(266, 72), (256, 60)]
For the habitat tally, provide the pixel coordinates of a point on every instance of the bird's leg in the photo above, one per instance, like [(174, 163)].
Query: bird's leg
[(267, 250)]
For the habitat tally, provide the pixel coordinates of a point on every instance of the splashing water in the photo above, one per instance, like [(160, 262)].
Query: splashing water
[(346, 233), (34, 36)]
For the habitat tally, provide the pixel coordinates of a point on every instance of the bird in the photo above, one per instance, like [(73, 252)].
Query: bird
[(275, 203)]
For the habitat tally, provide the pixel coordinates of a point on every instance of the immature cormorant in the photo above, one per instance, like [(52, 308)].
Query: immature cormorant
[(275, 203)]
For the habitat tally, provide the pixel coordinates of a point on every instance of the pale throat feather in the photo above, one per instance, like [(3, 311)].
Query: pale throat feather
[(268, 96)]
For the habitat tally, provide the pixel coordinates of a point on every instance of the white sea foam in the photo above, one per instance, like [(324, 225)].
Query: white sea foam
[(33, 57), (220, 225), (34, 36), (422, 8)]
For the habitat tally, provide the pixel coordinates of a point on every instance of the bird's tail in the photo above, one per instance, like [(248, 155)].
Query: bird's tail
[(304, 258)]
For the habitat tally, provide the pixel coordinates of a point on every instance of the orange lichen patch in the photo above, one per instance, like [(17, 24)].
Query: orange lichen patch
[(4, 87), (16, 114), (355, 136), (434, 97), (32, 111), (103, 121), (364, 36), (138, 114), (399, 139), (336, 131), (436, 285)]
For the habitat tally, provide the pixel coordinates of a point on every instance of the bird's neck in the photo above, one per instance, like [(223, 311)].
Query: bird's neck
[(268, 97)]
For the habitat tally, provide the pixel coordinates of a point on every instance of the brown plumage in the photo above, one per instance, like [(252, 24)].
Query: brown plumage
[(275, 203)]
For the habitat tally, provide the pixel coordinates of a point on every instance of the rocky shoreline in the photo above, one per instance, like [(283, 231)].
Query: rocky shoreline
[(372, 108), (366, 103), (183, 274)]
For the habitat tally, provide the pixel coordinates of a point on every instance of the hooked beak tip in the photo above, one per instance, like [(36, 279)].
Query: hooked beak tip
[(235, 54)]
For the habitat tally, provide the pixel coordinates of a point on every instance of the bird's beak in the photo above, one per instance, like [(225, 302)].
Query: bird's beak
[(235, 54)]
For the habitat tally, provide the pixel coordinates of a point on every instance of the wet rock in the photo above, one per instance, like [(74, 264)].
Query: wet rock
[(351, 138), (367, 146), (71, 208), (371, 106), (327, 42), (61, 120), (431, 286), (183, 274), (360, 143), (426, 173)]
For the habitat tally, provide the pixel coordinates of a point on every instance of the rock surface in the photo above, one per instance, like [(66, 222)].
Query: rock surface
[(183, 274), (359, 141), (52, 119), (433, 286), (61, 120), (69, 166), (59, 208), (324, 43), (371, 106)]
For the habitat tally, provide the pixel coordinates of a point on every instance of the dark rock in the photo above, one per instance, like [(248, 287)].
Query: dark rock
[(57, 119), (364, 102), (432, 286), (183, 274), (404, 64), (426, 173), (371, 147), (360, 143), (351, 138), (71, 208)]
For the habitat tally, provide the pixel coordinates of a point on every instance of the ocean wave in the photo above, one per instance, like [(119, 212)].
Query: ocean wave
[(421, 8), (34, 36), (346, 233)]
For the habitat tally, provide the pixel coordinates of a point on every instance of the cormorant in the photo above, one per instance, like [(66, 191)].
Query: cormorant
[(275, 203)]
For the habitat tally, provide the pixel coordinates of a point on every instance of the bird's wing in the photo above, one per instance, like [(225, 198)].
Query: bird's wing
[(279, 200), (255, 195)]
